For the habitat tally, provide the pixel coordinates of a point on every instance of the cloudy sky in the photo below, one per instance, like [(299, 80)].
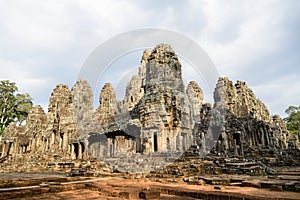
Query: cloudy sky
[(44, 43)]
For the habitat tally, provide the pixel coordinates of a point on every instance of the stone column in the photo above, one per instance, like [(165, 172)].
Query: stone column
[(179, 143), (3, 150), (65, 142), (138, 144), (69, 152), (60, 143), (85, 155), (20, 150), (52, 140), (109, 147), (12, 148), (235, 147), (79, 151), (73, 155)]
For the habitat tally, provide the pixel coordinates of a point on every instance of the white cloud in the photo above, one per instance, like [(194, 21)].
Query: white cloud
[(238, 34), (44, 43), (279, 94), (38, 87)]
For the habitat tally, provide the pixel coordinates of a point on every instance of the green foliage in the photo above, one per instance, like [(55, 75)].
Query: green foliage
[(293, 119), (24, 104), (13, 107)]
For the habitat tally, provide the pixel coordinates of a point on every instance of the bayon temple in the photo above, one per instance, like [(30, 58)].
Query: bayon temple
[(159, 115)]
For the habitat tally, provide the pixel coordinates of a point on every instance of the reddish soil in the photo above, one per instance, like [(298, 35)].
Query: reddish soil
[(118, 188)]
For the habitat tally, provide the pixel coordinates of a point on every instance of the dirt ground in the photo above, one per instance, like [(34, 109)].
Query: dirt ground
[(114, 188)]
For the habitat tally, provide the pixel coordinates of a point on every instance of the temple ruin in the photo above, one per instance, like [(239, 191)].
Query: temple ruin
[(158, 115)]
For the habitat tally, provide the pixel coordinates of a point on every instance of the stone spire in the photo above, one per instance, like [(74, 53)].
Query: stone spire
[(240, 100), (35, 126), (164, 111), (107, 106), (60, 118), (83, 107), (164, 68), (195, 96), (135, 87)]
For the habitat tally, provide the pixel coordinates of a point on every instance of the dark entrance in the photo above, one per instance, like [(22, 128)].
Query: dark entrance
[(9, 147), (236, 137), (155, 141), (76, 150)]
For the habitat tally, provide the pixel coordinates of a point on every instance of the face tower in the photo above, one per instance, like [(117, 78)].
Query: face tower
[(165, 111)]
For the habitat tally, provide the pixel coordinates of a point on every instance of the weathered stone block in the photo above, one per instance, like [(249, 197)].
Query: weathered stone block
[(148, 194)]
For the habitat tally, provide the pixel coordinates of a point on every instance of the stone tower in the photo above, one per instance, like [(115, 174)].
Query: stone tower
[(107, 106), (84, 113), (164, 110)]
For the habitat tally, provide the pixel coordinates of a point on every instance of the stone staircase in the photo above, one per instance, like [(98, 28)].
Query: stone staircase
[(138, 163)]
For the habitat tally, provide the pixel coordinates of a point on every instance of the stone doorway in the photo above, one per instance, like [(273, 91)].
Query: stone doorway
[(155, 142), (76, 150)]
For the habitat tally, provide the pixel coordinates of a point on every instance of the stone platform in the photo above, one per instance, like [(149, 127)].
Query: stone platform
[(125, 186)]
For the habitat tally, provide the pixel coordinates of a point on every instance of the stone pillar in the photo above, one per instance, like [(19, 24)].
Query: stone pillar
[(20, 150), (73, 155), (79, 151), (138, 145), (173, 140), (225, 140), (159, 142), (250, 137), (46, 144), (235, 147), (179, 144), (267, 133), (60, 139), (109, 147), (52, 140), (12, 147), (115, 145), (65, 142), (85, 155), (203, 142), (69, 151), (242, 148), (3, 150)]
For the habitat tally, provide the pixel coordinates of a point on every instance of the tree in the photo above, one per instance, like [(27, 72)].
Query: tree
[(24, 104), (13, 107), (293, 119)]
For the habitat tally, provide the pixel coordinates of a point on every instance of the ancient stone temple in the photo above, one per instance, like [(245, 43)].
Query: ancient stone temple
[(46, 137), (248, 125), (159, 115), (156, 108), (19, 140)]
